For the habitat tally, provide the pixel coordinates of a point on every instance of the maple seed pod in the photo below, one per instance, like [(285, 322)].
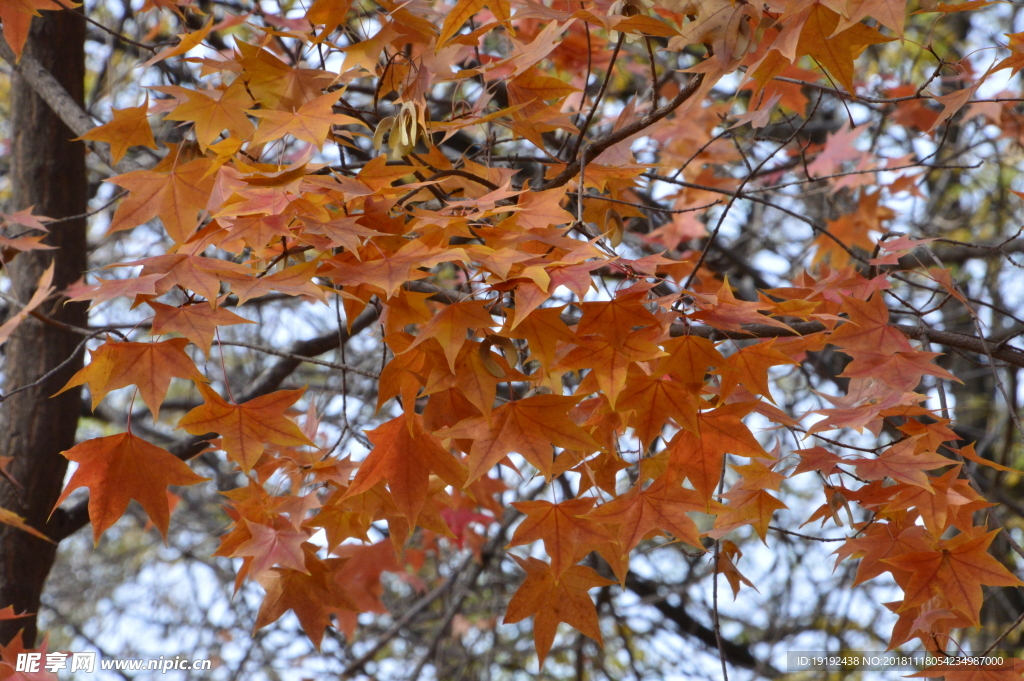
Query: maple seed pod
[(837, 501), (627, 8), (493, 368), (403, 130)]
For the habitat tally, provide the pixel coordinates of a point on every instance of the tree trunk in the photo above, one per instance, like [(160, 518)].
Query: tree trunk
[(48, 172)]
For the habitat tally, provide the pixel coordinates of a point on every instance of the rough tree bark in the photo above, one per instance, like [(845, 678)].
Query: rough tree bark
[(48, 172)]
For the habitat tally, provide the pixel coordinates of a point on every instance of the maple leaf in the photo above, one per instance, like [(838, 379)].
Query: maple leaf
[(747, 507), (625, 311), (543, 329), (726, 565), (689, 358), (968, 453), (187, 42), (749, 365), (25, 218), (609, 360), (458, 16), (198, 323), (902, 370), (868, 328), (311, 122), (567, 535), (129, 128), (698, 454), (175, 192), (539, 210), (661, 507), (934, 505), (9, 661), (405, 455), (817, 459), (118, 468), (890, 14), (651, 401), (108, 289), (15, 520), (450, 326), (212, 111), (899, 462), (531, 426), (552, 600), (724, 311), (148, 365), (9, 614), (957, 571), (16, 16), (245, 429), (329, 13), (42, 292), (270, 546), (478, 371), (312, 594), (390, 271), (834, 50), (195, 273)]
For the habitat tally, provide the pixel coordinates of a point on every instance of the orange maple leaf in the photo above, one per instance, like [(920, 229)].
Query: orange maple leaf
[(662, 507), (118, 468), (246, 428), (313, 594), (749, 366), (175, 192), (868, 328), (650, 401), (42, 292), (835, 51), (552, 600), (747, 507), (16, 16), (198, 323), (270, 546), (405, 455), (698, 454), (15, 520), (567, 534), (147, 365), (129, 128), (957, 571), (726, 312), (212, 111), (311, 122), (450, 325), (531, 426), (899, 462)]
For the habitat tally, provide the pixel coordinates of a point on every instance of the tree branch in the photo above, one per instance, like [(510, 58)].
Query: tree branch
[(950, 339), (595, 148), (735, 654)]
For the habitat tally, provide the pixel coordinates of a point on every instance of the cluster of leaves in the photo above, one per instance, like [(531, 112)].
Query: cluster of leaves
[(638, 395)]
